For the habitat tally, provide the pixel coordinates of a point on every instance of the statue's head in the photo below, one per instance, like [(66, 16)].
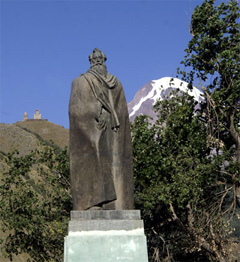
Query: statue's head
[(97, 60), (97, 56)]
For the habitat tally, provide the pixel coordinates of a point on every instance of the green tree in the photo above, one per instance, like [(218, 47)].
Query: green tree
[(35, 204), (187, 165), (177, 185), (213, 60)]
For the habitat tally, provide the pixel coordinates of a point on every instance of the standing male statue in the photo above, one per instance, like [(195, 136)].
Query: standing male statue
[(100, 142)]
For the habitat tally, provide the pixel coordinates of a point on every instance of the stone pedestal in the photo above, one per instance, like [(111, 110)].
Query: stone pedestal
[(105, 236)]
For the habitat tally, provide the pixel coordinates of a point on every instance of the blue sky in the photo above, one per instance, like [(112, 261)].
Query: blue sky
[(46, 44)]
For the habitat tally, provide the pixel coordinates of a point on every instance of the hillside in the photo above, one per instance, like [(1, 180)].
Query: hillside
[(46, 130), (15, 138), (25, 137)]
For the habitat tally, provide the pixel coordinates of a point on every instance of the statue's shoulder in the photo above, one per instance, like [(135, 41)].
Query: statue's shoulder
[(118, 83), (79, 81)]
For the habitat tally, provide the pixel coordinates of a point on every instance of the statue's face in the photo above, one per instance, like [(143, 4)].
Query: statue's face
[(97, 59)]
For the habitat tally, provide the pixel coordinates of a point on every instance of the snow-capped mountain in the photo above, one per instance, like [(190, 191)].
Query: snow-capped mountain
[(147, 96)]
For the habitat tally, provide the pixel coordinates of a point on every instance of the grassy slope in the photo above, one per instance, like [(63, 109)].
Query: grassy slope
[(15, 138), (47, 131)]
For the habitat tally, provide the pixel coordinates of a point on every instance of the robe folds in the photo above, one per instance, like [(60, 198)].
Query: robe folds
[(100, 144)]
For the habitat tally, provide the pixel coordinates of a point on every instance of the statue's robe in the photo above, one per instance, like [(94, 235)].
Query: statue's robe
[(100, 155)]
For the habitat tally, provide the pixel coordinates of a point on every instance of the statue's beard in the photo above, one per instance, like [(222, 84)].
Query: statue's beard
[(101, 69)]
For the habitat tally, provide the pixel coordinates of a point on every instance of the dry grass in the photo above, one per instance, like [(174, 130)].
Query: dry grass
[(47, 131)]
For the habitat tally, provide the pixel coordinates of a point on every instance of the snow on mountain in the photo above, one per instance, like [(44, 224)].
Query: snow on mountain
[(147, 96)]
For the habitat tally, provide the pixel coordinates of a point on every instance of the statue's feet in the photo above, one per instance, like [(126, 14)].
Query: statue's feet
[(95, 208)]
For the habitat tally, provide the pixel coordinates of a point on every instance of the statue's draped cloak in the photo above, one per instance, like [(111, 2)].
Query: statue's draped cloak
[(100, 158)]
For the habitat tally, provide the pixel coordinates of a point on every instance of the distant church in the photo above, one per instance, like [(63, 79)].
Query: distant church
[(36, 116)]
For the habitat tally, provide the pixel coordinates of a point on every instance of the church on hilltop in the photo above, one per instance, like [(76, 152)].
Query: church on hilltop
[(36, 116)]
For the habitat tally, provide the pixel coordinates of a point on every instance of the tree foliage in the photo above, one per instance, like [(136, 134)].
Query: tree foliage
[(35, 204), (214, 62), (177, 184), (187, 164)]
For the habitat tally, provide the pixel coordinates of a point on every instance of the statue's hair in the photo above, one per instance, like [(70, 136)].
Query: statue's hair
[(97, 50)]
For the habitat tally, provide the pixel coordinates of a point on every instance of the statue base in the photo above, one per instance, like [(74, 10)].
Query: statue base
[(105, 236)]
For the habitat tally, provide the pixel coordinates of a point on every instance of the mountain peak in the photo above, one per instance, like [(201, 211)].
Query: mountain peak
[(147, 96)]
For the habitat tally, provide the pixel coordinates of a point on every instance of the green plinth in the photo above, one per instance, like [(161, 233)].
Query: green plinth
[(105, 236)]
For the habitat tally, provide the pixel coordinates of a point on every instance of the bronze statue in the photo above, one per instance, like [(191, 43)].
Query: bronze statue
[(100, 142)]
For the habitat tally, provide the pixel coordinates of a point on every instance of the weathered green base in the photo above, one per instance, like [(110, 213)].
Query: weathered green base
[(105, 236)]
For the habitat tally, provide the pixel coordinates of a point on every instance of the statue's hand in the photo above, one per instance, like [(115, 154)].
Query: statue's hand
[(115, 129), (101, 124)]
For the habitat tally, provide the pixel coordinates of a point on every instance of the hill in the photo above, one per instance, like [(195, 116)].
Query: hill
[(26, 137), (46, 131), (15, 138)]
